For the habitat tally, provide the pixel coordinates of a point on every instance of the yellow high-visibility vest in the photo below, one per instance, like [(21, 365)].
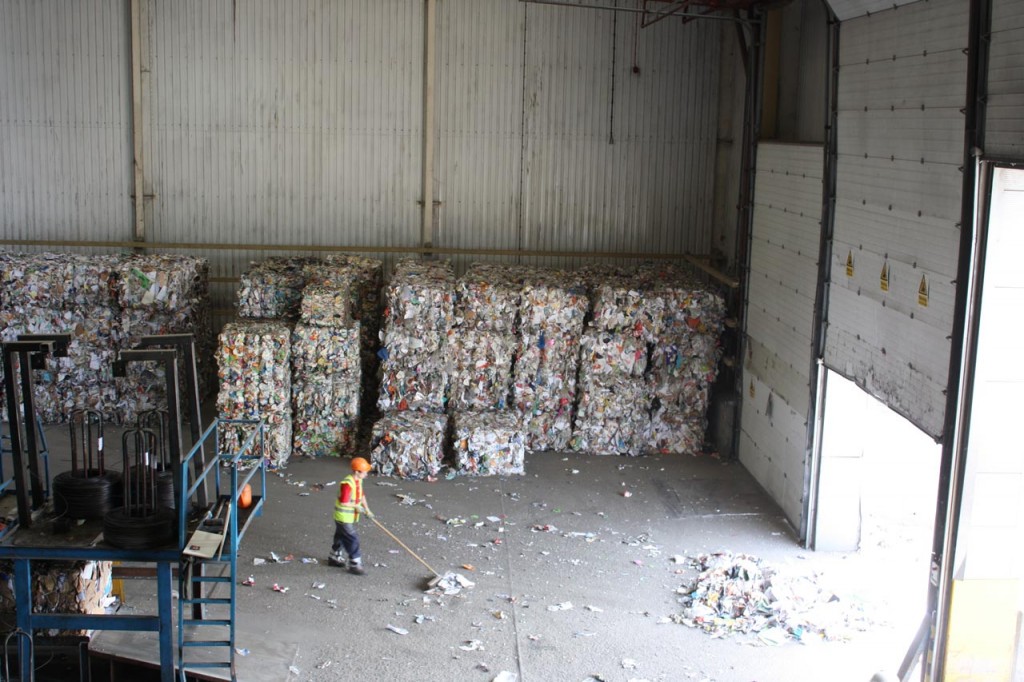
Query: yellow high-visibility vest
[(348, 512)]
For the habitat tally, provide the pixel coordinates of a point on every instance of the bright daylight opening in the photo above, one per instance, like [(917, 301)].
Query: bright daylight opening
[(889, 478)]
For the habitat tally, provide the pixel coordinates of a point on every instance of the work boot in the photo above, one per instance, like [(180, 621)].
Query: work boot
[(336, 560), (355, 567)]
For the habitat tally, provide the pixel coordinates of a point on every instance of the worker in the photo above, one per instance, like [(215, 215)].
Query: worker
[(346, 514)]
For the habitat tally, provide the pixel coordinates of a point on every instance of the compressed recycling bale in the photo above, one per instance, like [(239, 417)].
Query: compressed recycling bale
[(326, 305), (325, 350), (415, 372), (488, 443), (487, 297), (56, 280), (169, 283), (681, 375), (144, 386), (273, 288), (64, 587), (545, 370), (546, 431), (325, 414), (254, 366), (82, 380), (274, 449), (625, 435), (408, 444), (624, 305), (420, 297), (553, 301), (608, 357), (481, 369), (599, 400), (676, 432)]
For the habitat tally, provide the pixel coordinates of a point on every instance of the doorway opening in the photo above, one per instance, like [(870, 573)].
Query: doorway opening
[(877, 487)]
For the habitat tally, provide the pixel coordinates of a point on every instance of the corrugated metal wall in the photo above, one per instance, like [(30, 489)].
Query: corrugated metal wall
[(783, 279), (65, 134), (612, 159), (301, 123), (1004, 125), (615, 160), (283, 123), (902, 84)]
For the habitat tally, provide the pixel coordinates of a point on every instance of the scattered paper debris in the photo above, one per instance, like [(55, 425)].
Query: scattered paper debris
[(397, 630), (472, 645), (564, 606)]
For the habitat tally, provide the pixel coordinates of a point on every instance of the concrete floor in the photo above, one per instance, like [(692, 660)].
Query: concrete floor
[(620, 580)]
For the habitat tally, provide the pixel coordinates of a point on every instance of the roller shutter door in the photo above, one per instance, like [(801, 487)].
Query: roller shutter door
[(902, 84)]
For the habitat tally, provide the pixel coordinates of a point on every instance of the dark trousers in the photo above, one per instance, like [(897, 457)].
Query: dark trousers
[(345, 535)]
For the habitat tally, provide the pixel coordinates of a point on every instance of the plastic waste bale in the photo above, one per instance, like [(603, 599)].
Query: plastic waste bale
[(675, 432), (625, 305), (608, 356), (681, 375), (408, 444), (488, 443), (550, 430), (553, 301), (325, 414), (420, 297), (481, 369), (326, 389), (487, 298), (163, 294), (62, 293), (254, 367), (326, 305), (272, 288), (414, 372), (65, 587), (625, 435), (325, 350)]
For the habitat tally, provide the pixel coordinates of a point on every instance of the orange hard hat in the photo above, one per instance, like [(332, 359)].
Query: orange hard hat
[(360, 464)]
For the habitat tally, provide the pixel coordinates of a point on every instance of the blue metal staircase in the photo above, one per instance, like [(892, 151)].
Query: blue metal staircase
[(208, 574)]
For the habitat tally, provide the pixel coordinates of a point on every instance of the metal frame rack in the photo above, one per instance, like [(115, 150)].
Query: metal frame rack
[(25, 543)]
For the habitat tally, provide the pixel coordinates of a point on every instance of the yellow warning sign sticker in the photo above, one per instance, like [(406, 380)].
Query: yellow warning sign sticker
[(922, 292), (849, 264), (883, 282)]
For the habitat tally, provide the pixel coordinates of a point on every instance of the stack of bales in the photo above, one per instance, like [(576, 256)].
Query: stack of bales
[(408, 439), (684, 358), (552, 310), (613, 411), (325, 373), (254, 368), (162, 295), (363, 277), (52, 293), (488, 438)]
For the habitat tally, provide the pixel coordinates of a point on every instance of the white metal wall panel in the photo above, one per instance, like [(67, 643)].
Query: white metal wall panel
[(783, 279), (479, 116), (902, 83), (848, 9), (772, 443), (616, 160), (1004, 108), (65, 126), (284, 123)]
